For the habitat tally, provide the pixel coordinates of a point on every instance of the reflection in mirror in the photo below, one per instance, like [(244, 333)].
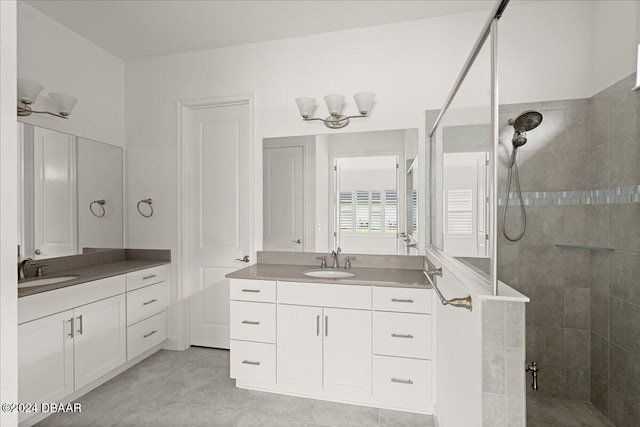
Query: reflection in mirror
[(460, 150), (71, 192), (353, 191)]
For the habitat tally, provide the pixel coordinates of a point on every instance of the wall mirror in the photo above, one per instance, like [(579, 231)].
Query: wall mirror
[(353, 191), (460, 151), (71, 194)]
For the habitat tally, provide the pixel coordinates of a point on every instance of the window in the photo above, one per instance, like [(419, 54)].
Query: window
[(368, 211)]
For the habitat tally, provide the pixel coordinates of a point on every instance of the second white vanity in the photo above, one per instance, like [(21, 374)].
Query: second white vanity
[(77, 334), (364, 340)]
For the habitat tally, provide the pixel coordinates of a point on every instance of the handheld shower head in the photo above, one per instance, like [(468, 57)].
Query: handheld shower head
[(522, 124)]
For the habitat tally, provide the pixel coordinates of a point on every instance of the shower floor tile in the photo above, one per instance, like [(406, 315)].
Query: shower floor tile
[(552, 412)]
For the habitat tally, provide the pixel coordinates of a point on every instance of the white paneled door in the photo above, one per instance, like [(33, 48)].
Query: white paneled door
[(54, 194), (283, 199), (217, 213)]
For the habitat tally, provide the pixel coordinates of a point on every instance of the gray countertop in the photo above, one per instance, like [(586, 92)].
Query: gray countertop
[(404, 278), (89, 273)]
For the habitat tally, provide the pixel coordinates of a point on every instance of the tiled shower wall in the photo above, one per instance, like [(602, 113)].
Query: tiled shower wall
[(580, 174), (615, 286)]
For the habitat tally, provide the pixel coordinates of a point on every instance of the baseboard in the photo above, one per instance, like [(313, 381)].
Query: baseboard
[(368, 404)]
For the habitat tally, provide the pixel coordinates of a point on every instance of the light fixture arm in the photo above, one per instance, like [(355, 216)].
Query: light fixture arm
[(27, 111)]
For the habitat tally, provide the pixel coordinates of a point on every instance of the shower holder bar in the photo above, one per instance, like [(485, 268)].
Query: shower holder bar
[(465, 302)]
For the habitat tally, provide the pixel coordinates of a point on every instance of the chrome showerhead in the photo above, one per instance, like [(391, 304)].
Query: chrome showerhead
[(522, 124)]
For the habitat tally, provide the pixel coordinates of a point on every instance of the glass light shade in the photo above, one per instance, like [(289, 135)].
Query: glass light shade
[(334, 103), (364, 101), (305, 105), (28, 91), (62, 104)]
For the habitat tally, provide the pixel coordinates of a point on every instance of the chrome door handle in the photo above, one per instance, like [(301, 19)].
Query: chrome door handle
[(149, 277), (243, 259), (149, 302), (70, 334), (249, 362), (250, 322), (318, 325), (297, 241), (81, 327), (149, 334), (326, 326), (251, 290), (402, 336)]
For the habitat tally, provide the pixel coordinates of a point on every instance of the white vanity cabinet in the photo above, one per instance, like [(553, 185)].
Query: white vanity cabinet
[(347, 343), (147, 297), (45, 363), (65, 351), (73, 338), (252, 327), (324, 340), (99, 339), (402, 348)]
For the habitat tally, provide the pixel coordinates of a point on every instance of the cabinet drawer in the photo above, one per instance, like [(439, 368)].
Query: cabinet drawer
[(402, 334), (253, 290), (402, 383), (146, 277), (253, 321), (146, 302), (408, 300), (325, 295), (253, 362), (146, 334)]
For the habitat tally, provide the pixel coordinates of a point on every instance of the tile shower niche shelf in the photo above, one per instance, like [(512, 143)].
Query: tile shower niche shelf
[(587, 247)]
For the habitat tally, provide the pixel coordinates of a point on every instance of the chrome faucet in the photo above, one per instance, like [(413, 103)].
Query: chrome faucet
[(21, 266), (334, 258)]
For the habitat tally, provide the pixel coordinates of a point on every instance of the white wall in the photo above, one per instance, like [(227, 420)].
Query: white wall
[(615, 38), (8, 213), (62, 61)]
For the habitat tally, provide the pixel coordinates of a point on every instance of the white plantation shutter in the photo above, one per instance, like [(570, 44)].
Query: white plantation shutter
[(460, 211)]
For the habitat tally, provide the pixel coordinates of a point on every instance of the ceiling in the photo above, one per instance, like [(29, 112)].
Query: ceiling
[(133, 29)]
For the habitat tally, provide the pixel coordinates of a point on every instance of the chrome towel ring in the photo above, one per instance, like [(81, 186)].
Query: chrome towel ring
[(149, 209), (100, 204)]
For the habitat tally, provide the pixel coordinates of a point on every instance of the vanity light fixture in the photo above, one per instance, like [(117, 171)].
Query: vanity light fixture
[(334, 105), (28, 91)]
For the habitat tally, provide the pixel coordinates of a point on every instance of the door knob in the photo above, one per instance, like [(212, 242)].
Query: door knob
[(297, 241), (37, 252), (243, 259)]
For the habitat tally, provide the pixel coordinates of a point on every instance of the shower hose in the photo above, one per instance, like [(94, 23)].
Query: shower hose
[(513, 174)]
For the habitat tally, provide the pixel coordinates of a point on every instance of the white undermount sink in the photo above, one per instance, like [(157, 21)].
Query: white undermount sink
[(329, 273), (46, 281)]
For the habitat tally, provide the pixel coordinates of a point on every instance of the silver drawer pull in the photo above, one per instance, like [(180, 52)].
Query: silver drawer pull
[(401, 300), (149, 302), (149, 334), (402, 336), (251, 290), (250, 362), (149, 277), (250, 322), (400, 381)]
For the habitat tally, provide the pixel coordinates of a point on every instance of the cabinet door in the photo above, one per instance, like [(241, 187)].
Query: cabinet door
[(100, 339), (45, 365), (299, 348), (347, 353)]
